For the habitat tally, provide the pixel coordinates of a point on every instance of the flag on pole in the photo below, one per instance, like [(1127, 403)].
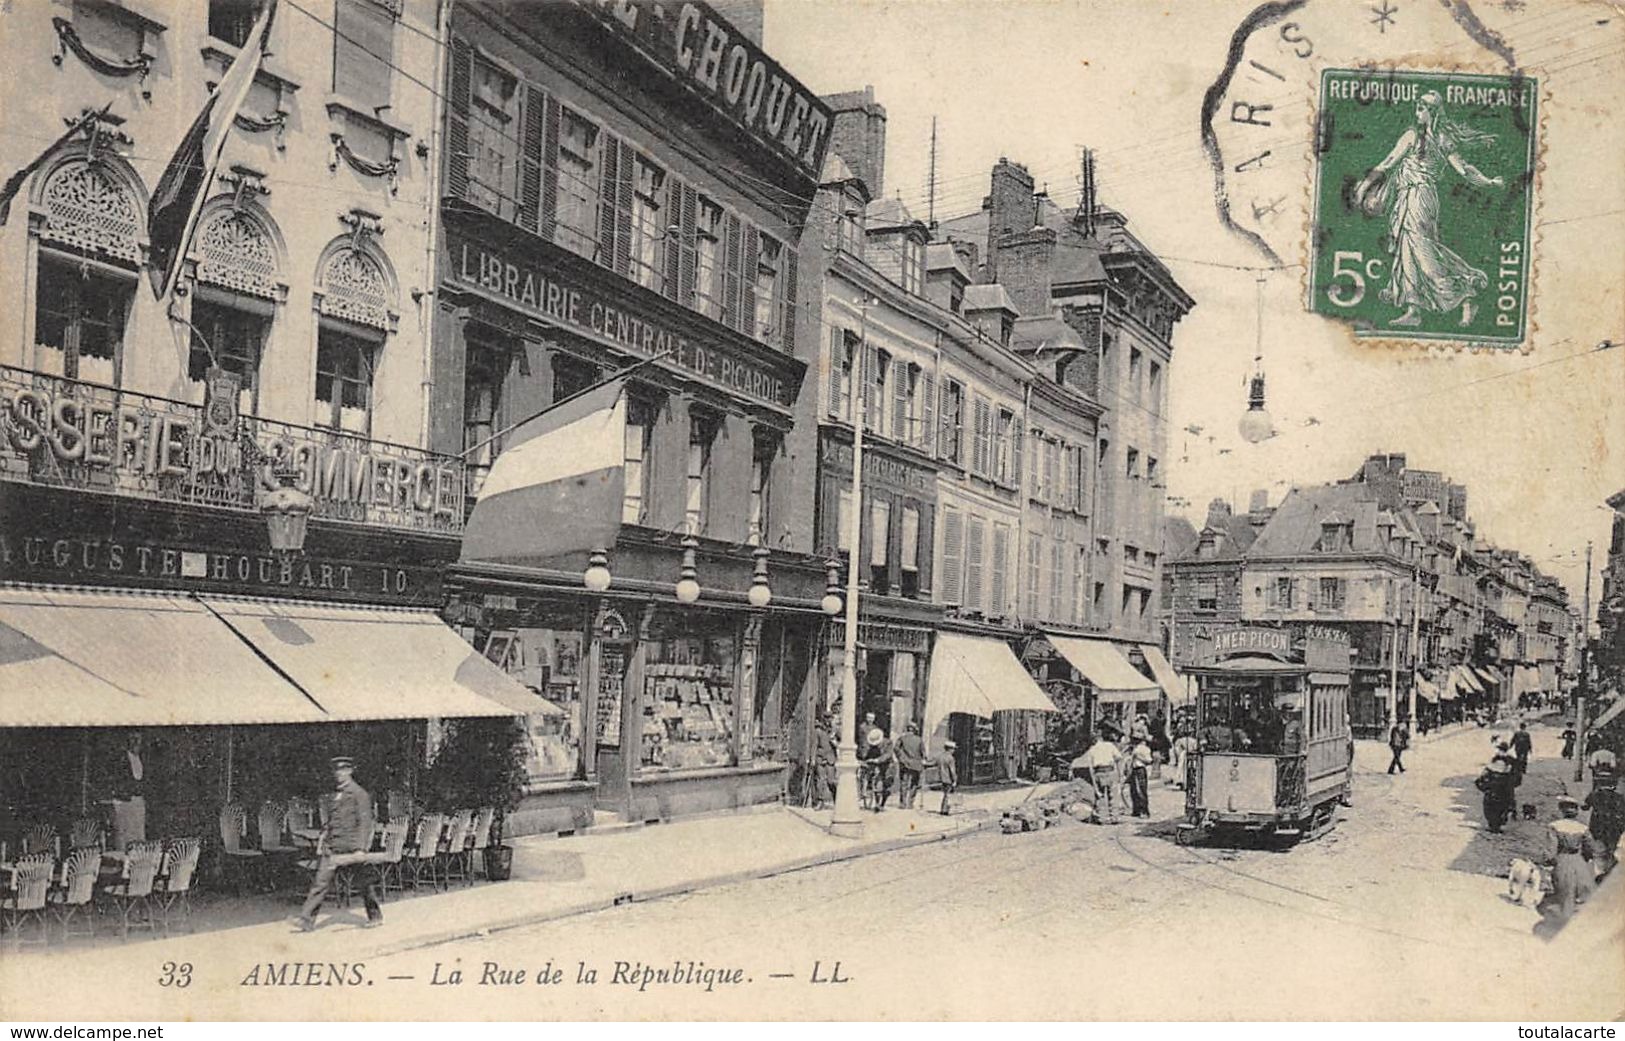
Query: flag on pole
[(558, 488), (15, 182), (185, 181)]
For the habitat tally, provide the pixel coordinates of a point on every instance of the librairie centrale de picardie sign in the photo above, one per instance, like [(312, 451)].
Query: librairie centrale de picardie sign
[(68, 434)]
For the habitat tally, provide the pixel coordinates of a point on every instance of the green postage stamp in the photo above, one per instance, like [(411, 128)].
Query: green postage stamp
[(1424, 204)]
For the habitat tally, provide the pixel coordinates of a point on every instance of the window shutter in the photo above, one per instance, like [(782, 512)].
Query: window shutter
[(953, 550), (1063, 486), (733, 254), (460, 96), (687, 219), (871, 369), (899, 399), (532, 150), (975, 536), (610, 156), (928, 413), (751, 241), (837, 358), (981, 451), (1015, 454), (625, 182), (547, 217), (1001, 567), (363, 51), (787, 313), (1035, 548), (675, 247), (879, 533)]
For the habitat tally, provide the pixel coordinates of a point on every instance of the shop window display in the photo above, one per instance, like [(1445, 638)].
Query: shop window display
[(688, 711), (549, 662)]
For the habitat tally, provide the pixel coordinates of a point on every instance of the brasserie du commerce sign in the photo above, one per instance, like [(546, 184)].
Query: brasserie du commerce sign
[(68, 434)]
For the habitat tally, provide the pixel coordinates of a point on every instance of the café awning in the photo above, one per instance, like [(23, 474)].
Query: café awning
[(371, 663), (1426, 689), (1487, 674), (1611, 713), (1468, 680), (82, 658), (1104, 666), (979, 676), (1171, 682)]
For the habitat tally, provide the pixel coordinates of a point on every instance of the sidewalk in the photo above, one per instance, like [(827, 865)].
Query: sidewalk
[(560, 877)]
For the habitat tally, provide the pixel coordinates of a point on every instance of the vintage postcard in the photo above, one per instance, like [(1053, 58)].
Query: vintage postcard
[(734, 510)]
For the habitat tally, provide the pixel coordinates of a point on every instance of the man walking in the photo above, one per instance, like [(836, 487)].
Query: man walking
[(1139, 777), (1521, 745), (947, 775), (910, 761), (1101, 761), (1399, 739), (344, 842)]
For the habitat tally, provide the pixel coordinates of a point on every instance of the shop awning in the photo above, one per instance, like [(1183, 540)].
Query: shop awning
[(1526, 680), (377, 663), (979, 676), (1104, 666), (1449, 686), (118, 658), (1611, 713), (1468, 680), (1426, 690), (1171, 682), (1487, 674), (1329, 679)]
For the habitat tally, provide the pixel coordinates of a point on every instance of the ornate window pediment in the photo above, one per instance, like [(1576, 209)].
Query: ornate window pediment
[(354, 287), (235, 252), (87, 207)]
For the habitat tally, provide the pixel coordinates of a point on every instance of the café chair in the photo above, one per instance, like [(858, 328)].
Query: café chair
[(235, 857), (72, 899), (422, 849), (478, 839), (453, 855), (26, 899), (86, 832), (172, 888), (134, 886)]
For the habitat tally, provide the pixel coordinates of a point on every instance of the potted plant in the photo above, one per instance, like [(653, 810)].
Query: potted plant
[(481, 763)]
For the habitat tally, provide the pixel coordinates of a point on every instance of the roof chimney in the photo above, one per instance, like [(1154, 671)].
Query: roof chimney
[(858, 136), (1011, 209)]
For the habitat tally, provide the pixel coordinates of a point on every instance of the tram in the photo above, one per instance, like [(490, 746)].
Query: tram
[(1274, 753)]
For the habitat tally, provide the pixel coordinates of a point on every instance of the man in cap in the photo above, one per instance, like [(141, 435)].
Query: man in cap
[(910, 761), (344, 843)]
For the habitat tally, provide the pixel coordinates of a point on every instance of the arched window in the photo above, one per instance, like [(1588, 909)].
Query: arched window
[(89, 218), (355, 304), (237, 288)]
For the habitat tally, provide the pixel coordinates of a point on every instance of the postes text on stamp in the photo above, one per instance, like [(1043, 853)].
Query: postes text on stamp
[(1424, 199)]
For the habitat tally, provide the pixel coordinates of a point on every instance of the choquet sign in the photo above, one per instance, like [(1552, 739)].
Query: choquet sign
[(544, 294), (701, 50), (75, 435)]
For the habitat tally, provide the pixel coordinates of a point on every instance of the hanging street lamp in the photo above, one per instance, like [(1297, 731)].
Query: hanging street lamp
[(287, 512), (687, 589)]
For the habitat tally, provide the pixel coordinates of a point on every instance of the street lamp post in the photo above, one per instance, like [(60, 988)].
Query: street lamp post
[(847, 819), (1585, 677)]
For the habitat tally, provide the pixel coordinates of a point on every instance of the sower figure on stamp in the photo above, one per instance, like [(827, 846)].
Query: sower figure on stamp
[(1425, 273), (344, 842)]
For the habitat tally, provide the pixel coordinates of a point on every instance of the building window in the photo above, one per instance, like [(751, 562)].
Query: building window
[(763, 450), (1131, 555), (769, 256), (363, 52), (1057, 578), (846, 348), (913, 265), (875, 404), (482, 397), (1281, 594), (344, 368), (571, 376), (880, 546), (237, 338), (577, 228), (232, 20), (953, 421), (1333, 537), (493, 140), (1131, 463), (997, 605), (79, 316), (908, 551), (1333, 594), (1207, 594), (975, 551), (1098, 602), (1154, 388), (951, 575), (1035, 552), (1135, 360), (648, 229), (1151, 470), (982, 446), (702, 431), (843, 521), (707, 265), (1150, 559), (905, 413)]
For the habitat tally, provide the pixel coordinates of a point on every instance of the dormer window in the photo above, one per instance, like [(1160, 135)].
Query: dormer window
[(1334, 536), (913, 265)]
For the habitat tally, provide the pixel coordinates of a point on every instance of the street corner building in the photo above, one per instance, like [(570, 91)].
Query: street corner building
[(223, 526)]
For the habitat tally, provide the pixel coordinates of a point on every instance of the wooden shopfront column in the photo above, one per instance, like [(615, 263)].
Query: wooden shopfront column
[(750, 644)]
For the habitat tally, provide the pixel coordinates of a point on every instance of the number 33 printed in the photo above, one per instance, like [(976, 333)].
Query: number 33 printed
[(176, 975)]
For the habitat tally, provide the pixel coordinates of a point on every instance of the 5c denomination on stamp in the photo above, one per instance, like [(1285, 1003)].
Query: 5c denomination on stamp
[(1423, 205)]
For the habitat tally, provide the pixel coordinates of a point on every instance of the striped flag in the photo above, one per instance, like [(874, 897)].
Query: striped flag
[(181, 190), (559, 489)]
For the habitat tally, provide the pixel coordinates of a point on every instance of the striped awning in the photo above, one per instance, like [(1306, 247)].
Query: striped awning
[(1426, 689), (1106, 669), (1169, 680), (1465, 677), (979, 676)]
